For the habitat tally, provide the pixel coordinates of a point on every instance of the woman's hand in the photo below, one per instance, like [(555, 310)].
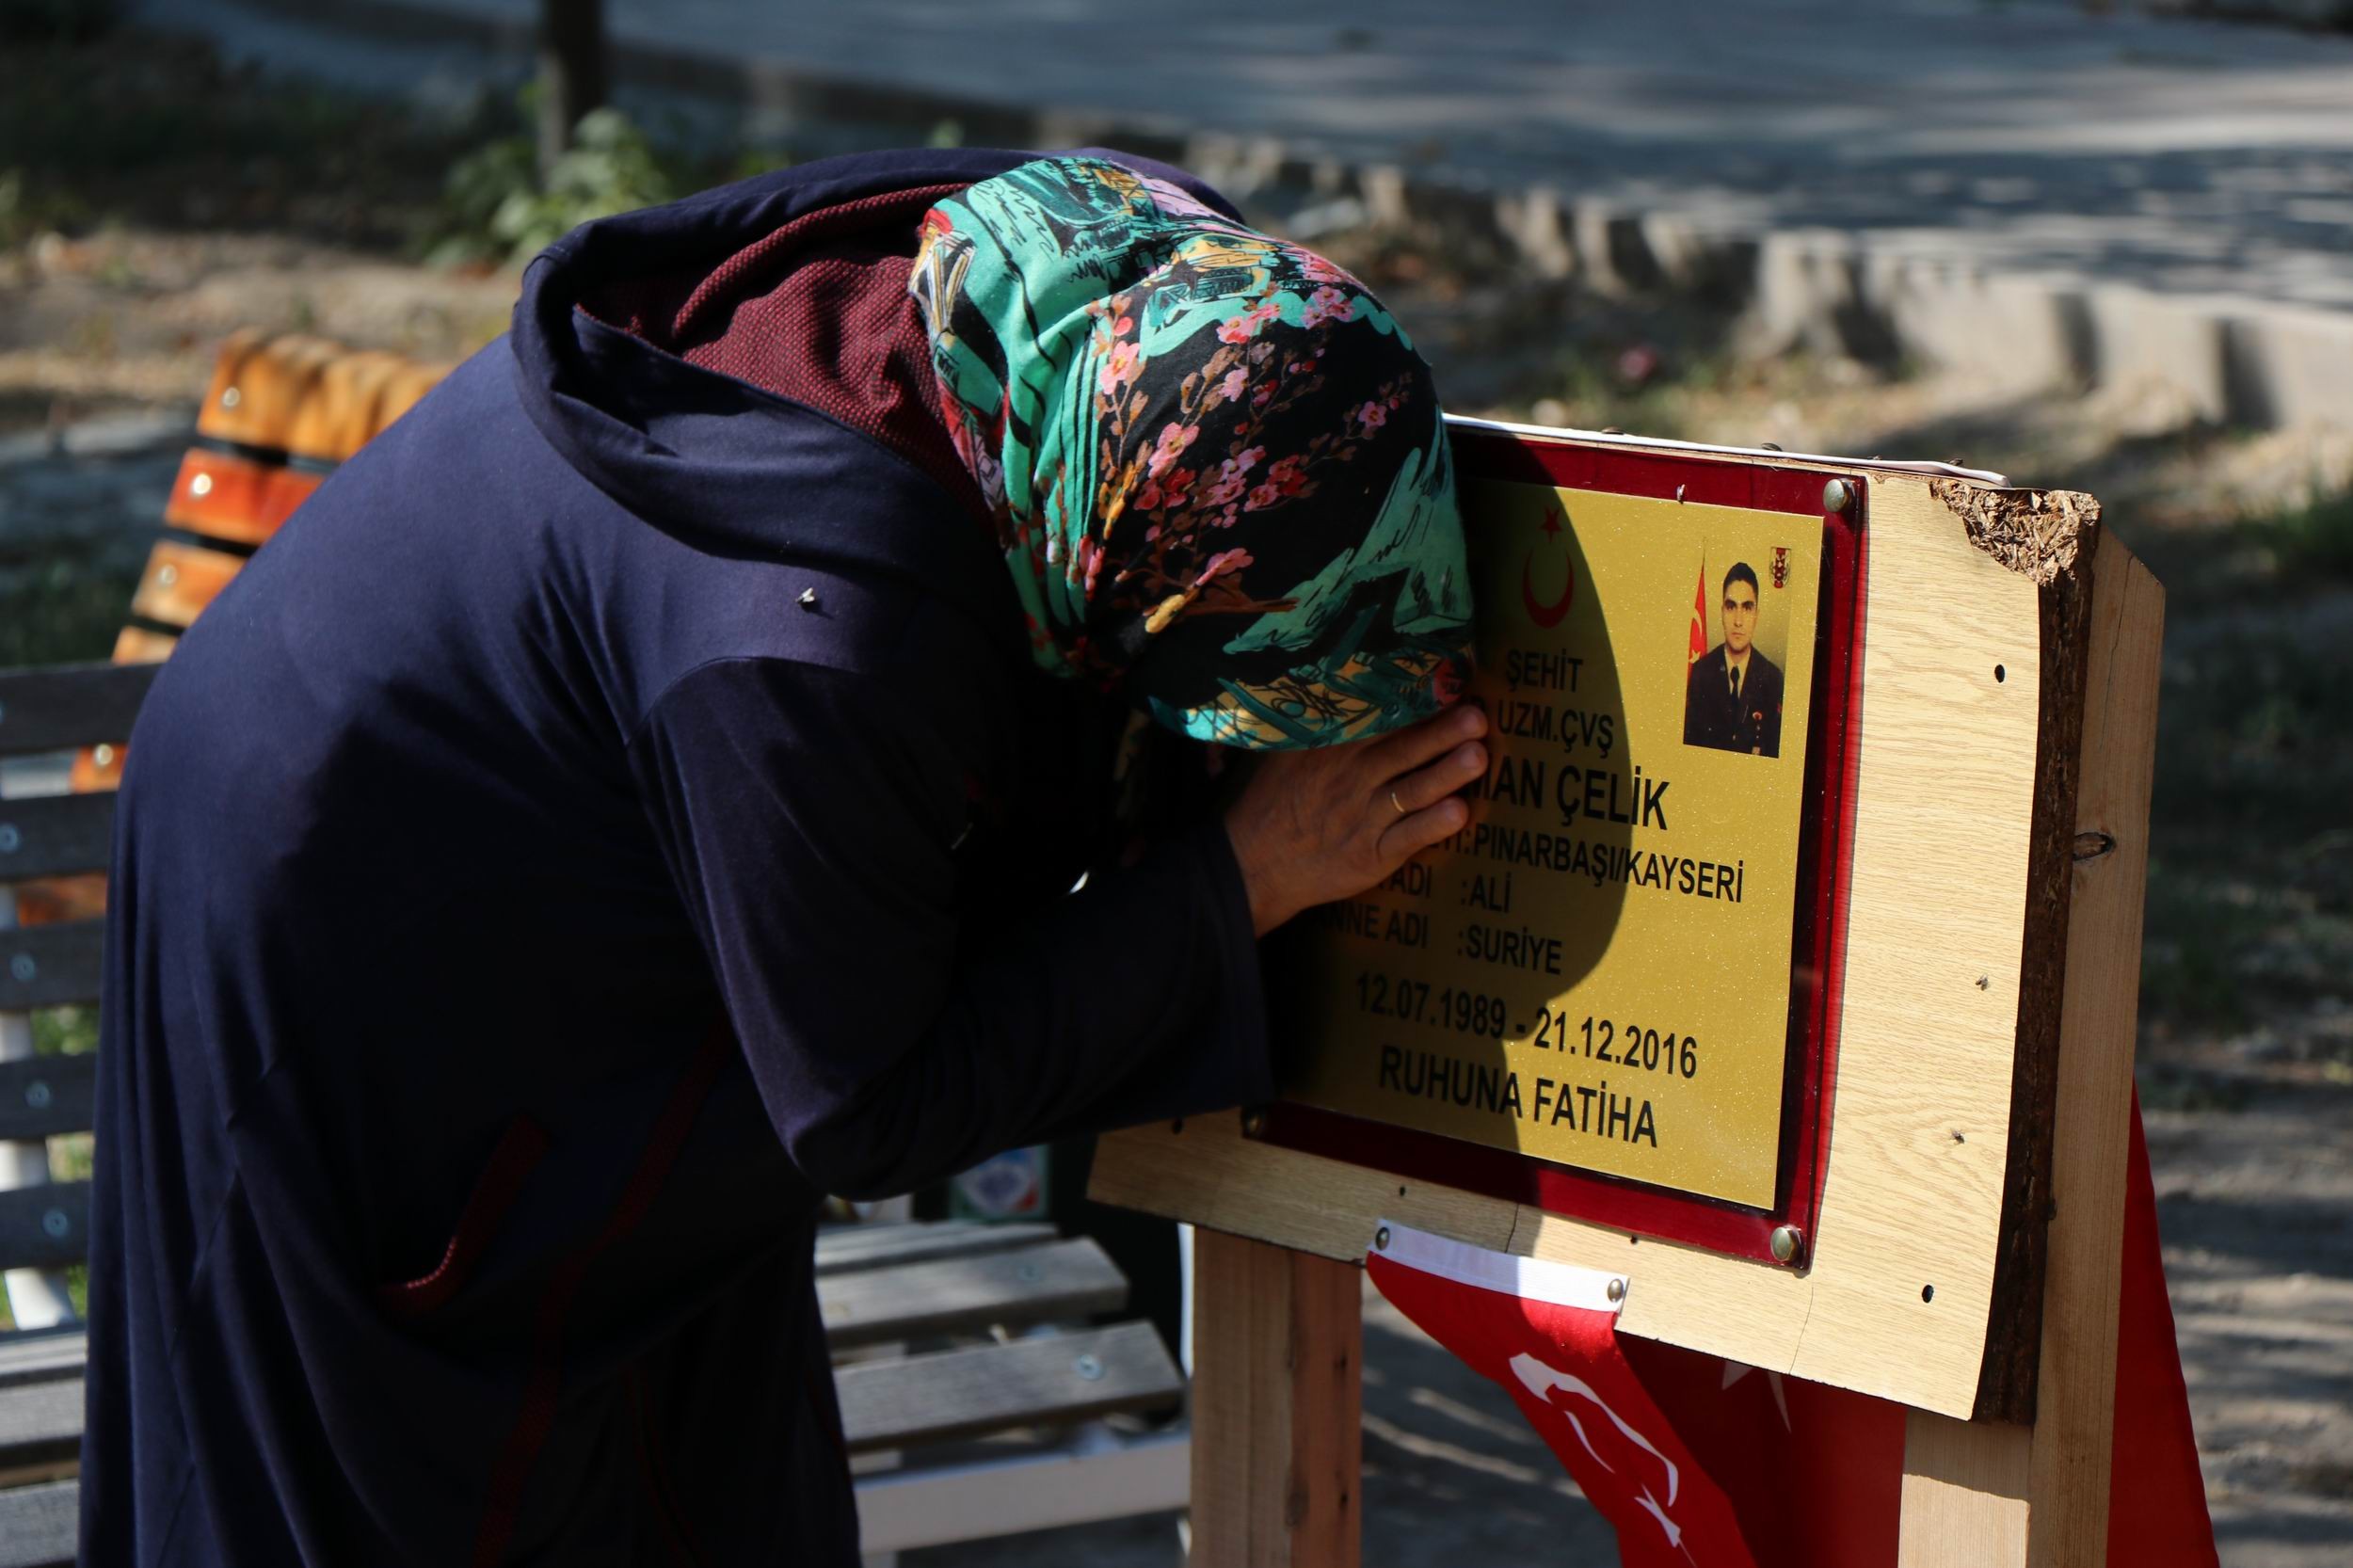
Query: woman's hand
[(1311, 827)]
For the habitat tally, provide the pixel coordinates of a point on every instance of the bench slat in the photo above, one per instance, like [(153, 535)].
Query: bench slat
[(55, 835), (970, 1393), (61, 706), (140, 645), (42, 1096), (181, 580), (40, 1423), (308, 396), (50, 966), (1028, 1285), (885, 1405), (42, 1355), (845, 1249), (45, 1226), (225, 495), (39, 1524)]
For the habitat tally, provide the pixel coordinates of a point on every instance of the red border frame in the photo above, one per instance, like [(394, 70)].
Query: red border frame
[(1825, 866)]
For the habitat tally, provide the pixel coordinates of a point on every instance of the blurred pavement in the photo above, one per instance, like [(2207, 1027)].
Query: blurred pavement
[(2022, 185)]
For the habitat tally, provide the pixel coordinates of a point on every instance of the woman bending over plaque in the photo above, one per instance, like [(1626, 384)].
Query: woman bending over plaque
[(643, 792)]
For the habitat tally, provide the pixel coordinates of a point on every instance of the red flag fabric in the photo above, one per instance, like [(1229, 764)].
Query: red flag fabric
[(2156, 1494), (1547, 1334), (1698, 1461), (1704, 1463), (1699, 615)]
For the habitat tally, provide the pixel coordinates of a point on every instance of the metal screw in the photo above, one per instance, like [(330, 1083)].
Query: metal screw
[(37, 1094), (1837, 496), (56, 1223), (201, 485), (22, 967), (1787, 1243), (167, 576), (11, 840), (1253, 1123), (1089, 1367), (231, 397), (807, 599), (1028, 1273), (1381, 1239), (1985, 983), (104, 756), (1616, 1290)]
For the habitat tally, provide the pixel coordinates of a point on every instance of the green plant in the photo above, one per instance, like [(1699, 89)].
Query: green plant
[(498, 208), (2314, 540), (66, 1031)]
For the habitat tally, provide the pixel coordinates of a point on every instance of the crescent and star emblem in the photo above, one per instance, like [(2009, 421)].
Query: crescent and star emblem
[(1547, 615)]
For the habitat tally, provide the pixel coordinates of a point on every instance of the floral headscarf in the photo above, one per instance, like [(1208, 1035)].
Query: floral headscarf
[(1218, 467)]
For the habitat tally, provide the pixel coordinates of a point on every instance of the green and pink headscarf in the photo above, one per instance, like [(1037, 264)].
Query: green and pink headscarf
[(1217, 464)]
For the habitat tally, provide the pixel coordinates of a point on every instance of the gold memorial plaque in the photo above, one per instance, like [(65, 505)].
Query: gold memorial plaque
[(1596, 972)]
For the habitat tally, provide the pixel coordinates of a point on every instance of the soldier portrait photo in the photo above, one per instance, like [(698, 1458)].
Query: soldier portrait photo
[(1732, 700)]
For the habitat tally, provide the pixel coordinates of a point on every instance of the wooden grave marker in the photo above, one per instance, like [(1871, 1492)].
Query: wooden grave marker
[(1840, 1009)]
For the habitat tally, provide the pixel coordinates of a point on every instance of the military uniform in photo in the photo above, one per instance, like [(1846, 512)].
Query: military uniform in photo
[(1742, 715)]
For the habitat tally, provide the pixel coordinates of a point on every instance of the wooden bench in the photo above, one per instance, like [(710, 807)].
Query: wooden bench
[(278, 415), (958, 1346)]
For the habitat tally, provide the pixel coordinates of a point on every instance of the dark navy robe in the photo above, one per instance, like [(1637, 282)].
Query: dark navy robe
[(618, 810)]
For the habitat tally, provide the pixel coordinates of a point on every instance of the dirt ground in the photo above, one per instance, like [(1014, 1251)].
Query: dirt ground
[(2247, 1021)]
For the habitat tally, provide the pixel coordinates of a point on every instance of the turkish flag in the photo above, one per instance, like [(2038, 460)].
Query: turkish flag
[(1704, 1463), (1699, 615)]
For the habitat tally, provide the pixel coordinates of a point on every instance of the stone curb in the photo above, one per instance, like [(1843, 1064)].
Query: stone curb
[(2232, 360)]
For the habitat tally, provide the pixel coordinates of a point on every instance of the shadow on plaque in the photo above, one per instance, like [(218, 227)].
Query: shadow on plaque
[(1520, 905)]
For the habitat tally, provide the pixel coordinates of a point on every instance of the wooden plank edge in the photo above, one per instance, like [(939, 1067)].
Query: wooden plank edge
[(2073, 1445), (2005, 1379)]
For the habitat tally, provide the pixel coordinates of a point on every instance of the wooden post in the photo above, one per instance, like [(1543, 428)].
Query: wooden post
[(1277, 1406), (1989, 1494)]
